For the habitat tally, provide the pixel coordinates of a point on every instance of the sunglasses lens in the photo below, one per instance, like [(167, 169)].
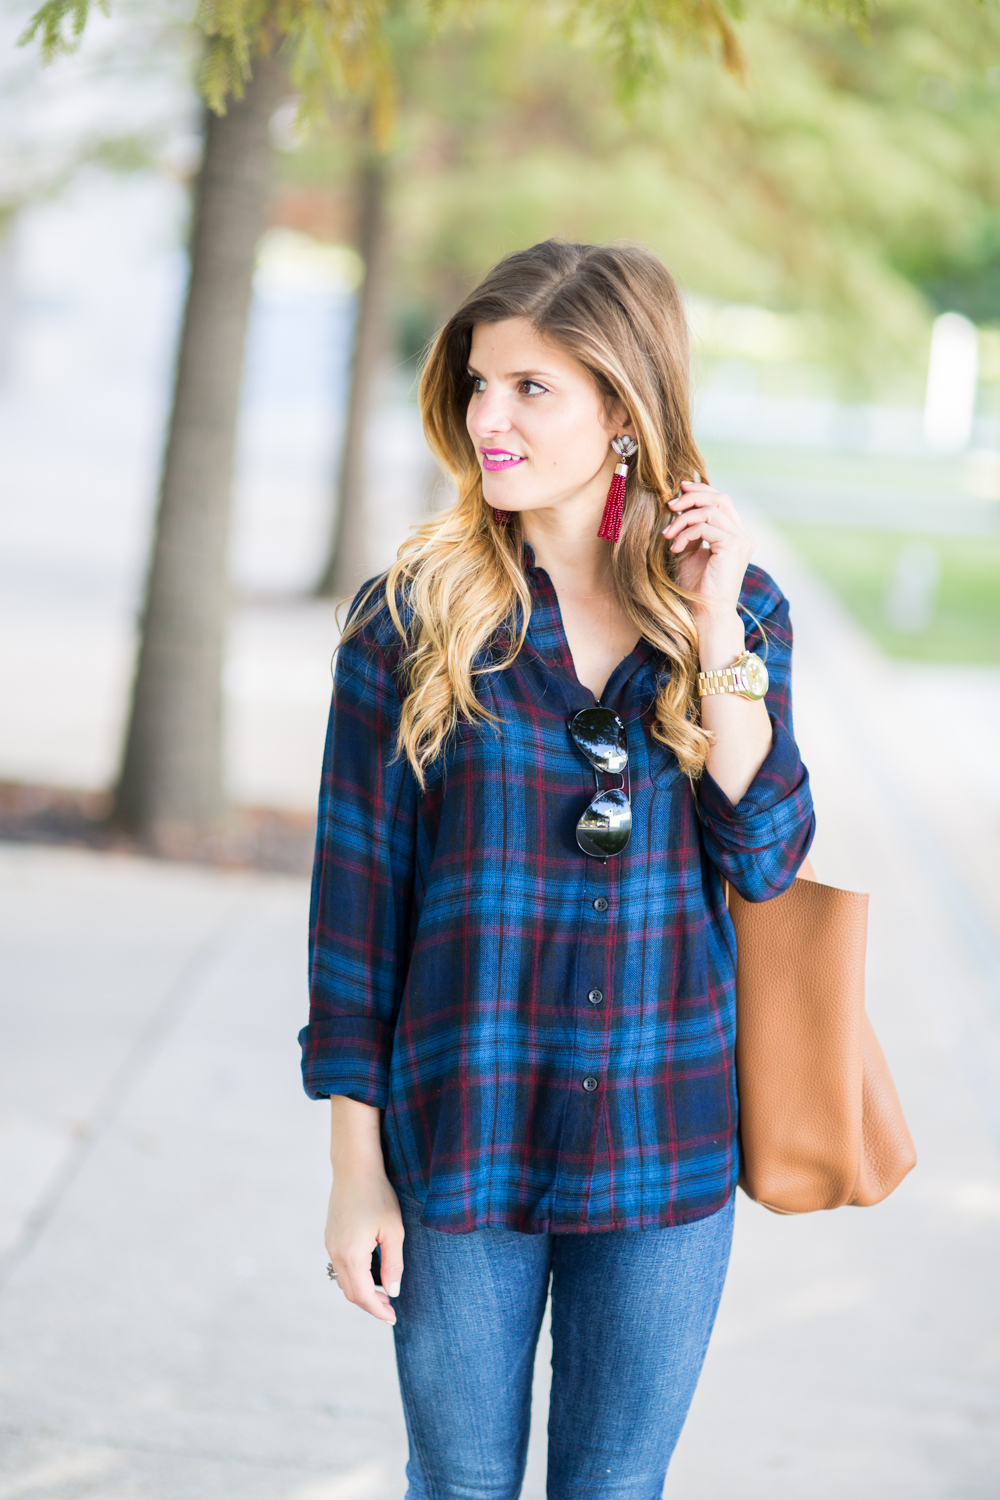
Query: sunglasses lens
[(606, 825), (601, 736)]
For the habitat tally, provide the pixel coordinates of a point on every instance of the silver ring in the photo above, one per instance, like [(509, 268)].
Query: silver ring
[(330, 1271)]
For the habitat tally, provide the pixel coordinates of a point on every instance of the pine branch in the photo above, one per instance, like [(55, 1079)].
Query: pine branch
[(50, 21), (340, 46)]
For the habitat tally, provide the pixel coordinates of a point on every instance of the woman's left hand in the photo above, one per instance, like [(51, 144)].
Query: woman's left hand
[(714, 573)]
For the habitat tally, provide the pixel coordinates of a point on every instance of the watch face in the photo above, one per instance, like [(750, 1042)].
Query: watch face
[(755, 676)]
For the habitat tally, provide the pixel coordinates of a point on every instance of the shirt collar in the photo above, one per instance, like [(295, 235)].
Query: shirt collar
[(546, 634)]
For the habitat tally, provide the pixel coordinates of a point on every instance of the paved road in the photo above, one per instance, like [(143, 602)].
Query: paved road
[(166, 1329)]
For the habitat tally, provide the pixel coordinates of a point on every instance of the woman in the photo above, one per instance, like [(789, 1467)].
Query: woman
[(522, 963)]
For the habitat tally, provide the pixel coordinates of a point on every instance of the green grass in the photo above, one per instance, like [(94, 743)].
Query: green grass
[(859, 565)]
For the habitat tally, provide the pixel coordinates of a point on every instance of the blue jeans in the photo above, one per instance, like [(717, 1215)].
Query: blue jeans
[(632, 1311)]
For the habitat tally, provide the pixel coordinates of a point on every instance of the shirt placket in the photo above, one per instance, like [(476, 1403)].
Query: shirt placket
[(595, 972), (592, 1001)]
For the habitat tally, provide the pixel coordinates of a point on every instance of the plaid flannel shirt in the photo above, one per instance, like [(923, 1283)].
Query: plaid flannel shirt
[(549, 1036)]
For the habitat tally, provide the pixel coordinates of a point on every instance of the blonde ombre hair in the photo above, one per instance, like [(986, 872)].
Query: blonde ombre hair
[(460, 577)]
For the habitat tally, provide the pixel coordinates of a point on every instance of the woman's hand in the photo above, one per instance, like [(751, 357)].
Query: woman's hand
[(715, 573), (741, 730), (364, 1210)]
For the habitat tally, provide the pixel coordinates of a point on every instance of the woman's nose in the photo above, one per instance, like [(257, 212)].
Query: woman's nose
[(488, 415)]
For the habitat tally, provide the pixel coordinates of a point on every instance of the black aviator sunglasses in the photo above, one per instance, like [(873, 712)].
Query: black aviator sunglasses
[(605, 826)]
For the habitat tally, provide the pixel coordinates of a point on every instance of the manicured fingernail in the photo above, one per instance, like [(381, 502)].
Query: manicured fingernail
[(393, 1289)]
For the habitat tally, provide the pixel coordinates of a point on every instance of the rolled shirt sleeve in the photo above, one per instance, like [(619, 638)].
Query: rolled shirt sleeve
[(759, 842), (362, 886)]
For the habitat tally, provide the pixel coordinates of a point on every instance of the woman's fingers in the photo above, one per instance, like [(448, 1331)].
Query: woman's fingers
[(391, 1242), (692, 493), (704, 514), (684, 527), (702, 497), (354, 1274), (356, 1283), (700, 531), (711, 513), (713, 543), (353, 1266)]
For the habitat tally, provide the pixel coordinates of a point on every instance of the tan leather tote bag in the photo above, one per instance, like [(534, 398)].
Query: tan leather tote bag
[(820, 1120)]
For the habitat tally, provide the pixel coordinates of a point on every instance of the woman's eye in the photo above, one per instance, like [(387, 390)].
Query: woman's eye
[(531, 388), (478, 384)]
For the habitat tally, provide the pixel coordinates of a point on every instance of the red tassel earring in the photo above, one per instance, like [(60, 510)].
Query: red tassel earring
[(614, 506), (501, 517)]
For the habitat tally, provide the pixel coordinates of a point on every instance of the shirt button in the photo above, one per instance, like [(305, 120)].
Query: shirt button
[(595, 997), (600, 904), (590, 1084)]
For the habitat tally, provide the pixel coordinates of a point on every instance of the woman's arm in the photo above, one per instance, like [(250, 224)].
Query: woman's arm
[(715, 573), (742, 728), (364, 1210), (754, 801), (362, 889), (359, 936)]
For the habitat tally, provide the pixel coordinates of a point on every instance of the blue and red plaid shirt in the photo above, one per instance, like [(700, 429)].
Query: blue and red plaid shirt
[(549, 1036)]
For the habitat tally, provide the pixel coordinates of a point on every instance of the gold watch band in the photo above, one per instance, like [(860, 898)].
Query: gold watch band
[(722, 680)]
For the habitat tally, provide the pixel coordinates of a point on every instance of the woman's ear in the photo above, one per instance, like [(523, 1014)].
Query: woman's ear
[(617, 418), (625, 423)]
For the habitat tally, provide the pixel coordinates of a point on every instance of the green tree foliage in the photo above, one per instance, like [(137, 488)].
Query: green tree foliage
[(171, 783), (344, 45), (846, 174), (328, 44)]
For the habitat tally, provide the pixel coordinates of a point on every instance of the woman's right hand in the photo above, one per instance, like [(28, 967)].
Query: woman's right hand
[(364, 1211)]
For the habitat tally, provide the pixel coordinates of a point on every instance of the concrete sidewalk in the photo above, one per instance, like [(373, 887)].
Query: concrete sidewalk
[(168, 1332), (168, 1328)]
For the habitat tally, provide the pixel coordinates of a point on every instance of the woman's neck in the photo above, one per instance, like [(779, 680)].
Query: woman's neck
[(598, 631), (576, 559)]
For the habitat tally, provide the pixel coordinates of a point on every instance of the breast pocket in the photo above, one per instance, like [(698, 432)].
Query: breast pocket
[(663, 765), (660, 761)]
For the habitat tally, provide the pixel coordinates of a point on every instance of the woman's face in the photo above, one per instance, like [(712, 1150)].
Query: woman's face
[(538, 421)]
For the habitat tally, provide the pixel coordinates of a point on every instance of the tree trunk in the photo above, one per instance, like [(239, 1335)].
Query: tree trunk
[(347, 562), (171, 780)]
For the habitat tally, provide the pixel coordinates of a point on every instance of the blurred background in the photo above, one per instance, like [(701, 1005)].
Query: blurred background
[(825, 184)]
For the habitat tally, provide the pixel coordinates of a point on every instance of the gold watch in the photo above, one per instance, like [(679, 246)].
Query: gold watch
[(747, 676)]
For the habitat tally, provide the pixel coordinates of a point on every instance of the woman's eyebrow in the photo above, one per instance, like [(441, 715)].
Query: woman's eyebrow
[(516, 374)]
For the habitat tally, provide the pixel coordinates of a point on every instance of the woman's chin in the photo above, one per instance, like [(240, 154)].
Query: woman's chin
[(499, 496)]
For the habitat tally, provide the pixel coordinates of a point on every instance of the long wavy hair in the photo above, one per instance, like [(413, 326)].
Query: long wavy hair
[(458, 585)]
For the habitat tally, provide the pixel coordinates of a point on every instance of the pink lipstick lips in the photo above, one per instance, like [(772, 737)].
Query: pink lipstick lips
[(495, 459)]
